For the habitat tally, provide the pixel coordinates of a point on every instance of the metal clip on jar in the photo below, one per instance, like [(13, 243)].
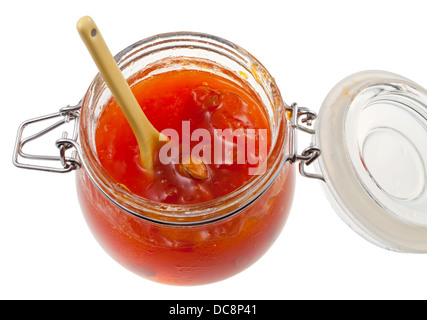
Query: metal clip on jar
[(369, 147)]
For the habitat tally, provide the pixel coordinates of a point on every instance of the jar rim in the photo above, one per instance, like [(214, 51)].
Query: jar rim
[(209, 211)]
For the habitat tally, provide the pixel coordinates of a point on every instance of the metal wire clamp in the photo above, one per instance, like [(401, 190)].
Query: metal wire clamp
[(65, 163), (302, 119)]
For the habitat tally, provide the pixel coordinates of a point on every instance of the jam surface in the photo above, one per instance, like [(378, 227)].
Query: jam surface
[(185, 101)]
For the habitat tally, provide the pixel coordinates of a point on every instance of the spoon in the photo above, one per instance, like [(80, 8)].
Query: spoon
[(146, 135)]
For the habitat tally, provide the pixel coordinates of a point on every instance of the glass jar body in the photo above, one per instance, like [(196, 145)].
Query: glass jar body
[(198, 244), (187, 255)]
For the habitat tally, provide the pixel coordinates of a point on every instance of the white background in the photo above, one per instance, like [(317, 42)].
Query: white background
[(46, 249)]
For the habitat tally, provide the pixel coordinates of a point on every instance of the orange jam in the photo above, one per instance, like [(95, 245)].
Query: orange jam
[(207, 251), (197, 99)]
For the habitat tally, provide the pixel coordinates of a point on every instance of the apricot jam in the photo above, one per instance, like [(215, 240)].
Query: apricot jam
[(166, 225), (199, 99)]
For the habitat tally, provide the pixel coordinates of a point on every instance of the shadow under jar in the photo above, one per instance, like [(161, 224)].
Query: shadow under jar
[(199, 243)]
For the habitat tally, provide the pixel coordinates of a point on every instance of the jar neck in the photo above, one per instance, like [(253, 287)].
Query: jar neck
[(192, 51)]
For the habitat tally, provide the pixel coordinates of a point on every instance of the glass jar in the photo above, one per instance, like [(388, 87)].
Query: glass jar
[(368, 144), (196, 243)]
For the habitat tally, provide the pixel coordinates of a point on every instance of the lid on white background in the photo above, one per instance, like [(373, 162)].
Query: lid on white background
[(372, 131)]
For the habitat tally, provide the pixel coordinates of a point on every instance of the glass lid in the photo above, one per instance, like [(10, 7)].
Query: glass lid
[(372, 131)]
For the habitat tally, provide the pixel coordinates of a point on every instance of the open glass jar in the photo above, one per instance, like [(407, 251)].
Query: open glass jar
[(369, 146), (181, 244)]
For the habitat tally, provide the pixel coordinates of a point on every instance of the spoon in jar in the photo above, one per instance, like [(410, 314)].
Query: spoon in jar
[(147, 136)]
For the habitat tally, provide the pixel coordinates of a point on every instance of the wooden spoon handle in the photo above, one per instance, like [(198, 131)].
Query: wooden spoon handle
[(146, 135)]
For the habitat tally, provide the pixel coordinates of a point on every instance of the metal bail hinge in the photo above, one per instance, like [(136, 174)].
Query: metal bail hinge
[(302, 119), (65, 163)]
